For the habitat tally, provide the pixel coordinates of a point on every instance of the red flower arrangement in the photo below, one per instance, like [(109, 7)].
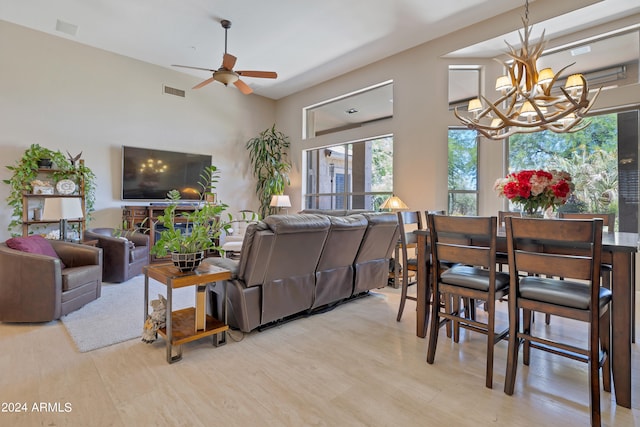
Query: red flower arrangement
[(536, 189)]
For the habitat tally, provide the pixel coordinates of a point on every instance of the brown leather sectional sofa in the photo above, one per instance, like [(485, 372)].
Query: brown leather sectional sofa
[(294, 264)]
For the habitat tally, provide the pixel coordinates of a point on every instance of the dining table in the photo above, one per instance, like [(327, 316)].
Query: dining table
[(618, 249)]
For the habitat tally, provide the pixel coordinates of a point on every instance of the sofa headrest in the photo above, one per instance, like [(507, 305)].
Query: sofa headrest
[(295, 223), (348, 222), (334, 212), (381, 218)]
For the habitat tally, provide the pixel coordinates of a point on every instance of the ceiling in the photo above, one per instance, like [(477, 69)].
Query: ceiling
[(305, 42)]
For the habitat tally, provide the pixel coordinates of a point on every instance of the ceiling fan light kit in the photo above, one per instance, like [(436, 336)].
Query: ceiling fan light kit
[(526, 103), (225, 74)]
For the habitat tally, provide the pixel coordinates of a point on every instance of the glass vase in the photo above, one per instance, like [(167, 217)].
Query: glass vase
[(530, 213)]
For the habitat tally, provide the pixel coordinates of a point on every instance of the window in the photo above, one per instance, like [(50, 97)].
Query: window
[(463, 172), (601, 159), (354, 110), (356, 175)]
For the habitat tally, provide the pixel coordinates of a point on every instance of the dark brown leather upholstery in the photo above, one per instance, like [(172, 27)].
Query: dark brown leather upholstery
[(379, 241), (293, 263), (289, 281), (35, 288), (335, 273), (122, 259)]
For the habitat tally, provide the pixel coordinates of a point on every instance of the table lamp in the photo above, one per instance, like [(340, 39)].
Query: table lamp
[(280, 201), (63, 209)]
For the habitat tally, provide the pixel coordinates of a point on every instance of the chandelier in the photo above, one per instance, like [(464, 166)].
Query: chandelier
[(526, 104)]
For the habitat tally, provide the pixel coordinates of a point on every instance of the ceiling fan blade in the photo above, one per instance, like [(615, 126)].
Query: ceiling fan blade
[(262, 74), (228, 61), (204, 83), (193, 68), (244, 88)]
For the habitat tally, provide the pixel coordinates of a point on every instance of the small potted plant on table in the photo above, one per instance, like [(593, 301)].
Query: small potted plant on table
[(202, 226)]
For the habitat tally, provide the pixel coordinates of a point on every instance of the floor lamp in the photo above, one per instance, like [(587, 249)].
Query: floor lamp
[(63, 209)]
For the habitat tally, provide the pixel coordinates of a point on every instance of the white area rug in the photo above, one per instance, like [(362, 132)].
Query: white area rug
[(118, 315)]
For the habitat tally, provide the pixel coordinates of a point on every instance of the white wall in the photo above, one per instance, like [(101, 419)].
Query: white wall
[(421, 115), (66, 96), (70, 97)]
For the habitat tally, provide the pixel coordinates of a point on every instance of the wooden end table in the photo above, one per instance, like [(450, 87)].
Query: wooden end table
[(193, 323)]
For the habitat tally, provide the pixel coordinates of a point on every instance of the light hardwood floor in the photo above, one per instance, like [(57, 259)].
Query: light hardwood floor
[(353, 366)]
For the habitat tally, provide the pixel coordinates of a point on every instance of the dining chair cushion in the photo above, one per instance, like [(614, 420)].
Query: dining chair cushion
[(412, 262), (566, 293), (473, 278)]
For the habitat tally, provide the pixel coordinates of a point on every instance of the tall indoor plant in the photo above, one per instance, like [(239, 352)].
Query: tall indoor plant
[(270, 166), (203, 225)]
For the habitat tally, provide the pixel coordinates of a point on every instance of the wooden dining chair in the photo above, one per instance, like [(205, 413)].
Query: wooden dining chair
[(408, 221), (469, 243), (502, 256), (504, 214), (608, 221), (572, 250)]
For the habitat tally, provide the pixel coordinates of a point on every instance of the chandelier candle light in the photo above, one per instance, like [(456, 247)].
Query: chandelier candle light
[(536, 190), (526, 104)]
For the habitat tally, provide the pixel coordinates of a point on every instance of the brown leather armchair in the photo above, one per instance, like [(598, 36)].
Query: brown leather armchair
[(36, 288), (124, 256)]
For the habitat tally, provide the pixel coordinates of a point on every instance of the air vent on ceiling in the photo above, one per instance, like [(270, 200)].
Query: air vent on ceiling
[(173, 91), (67, 28)]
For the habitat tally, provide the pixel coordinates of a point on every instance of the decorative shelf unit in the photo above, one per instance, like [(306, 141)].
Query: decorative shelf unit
[(30, 200)]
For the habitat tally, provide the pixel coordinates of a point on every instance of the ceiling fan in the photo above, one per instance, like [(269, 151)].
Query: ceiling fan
[(225, 74)]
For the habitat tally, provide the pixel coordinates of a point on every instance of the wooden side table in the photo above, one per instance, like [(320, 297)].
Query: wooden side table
[(193, 323)]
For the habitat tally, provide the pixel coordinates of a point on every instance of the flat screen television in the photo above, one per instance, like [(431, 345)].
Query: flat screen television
[(149, 174)]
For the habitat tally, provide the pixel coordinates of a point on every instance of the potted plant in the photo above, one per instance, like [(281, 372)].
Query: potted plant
[(25, 173), (202, 226), (268, 156)]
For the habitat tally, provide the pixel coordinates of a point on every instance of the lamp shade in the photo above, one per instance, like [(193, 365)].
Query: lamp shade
[(394, 203), (574, 81), (474, 105), (56, 208), (280, 201), (545, 76), (503, 83)]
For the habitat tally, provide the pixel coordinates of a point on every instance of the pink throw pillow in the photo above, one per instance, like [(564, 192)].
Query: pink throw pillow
[(33, 244)]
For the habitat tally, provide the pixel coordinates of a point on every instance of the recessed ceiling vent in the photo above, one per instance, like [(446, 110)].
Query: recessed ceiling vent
[(168, 90), (67, 28)]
